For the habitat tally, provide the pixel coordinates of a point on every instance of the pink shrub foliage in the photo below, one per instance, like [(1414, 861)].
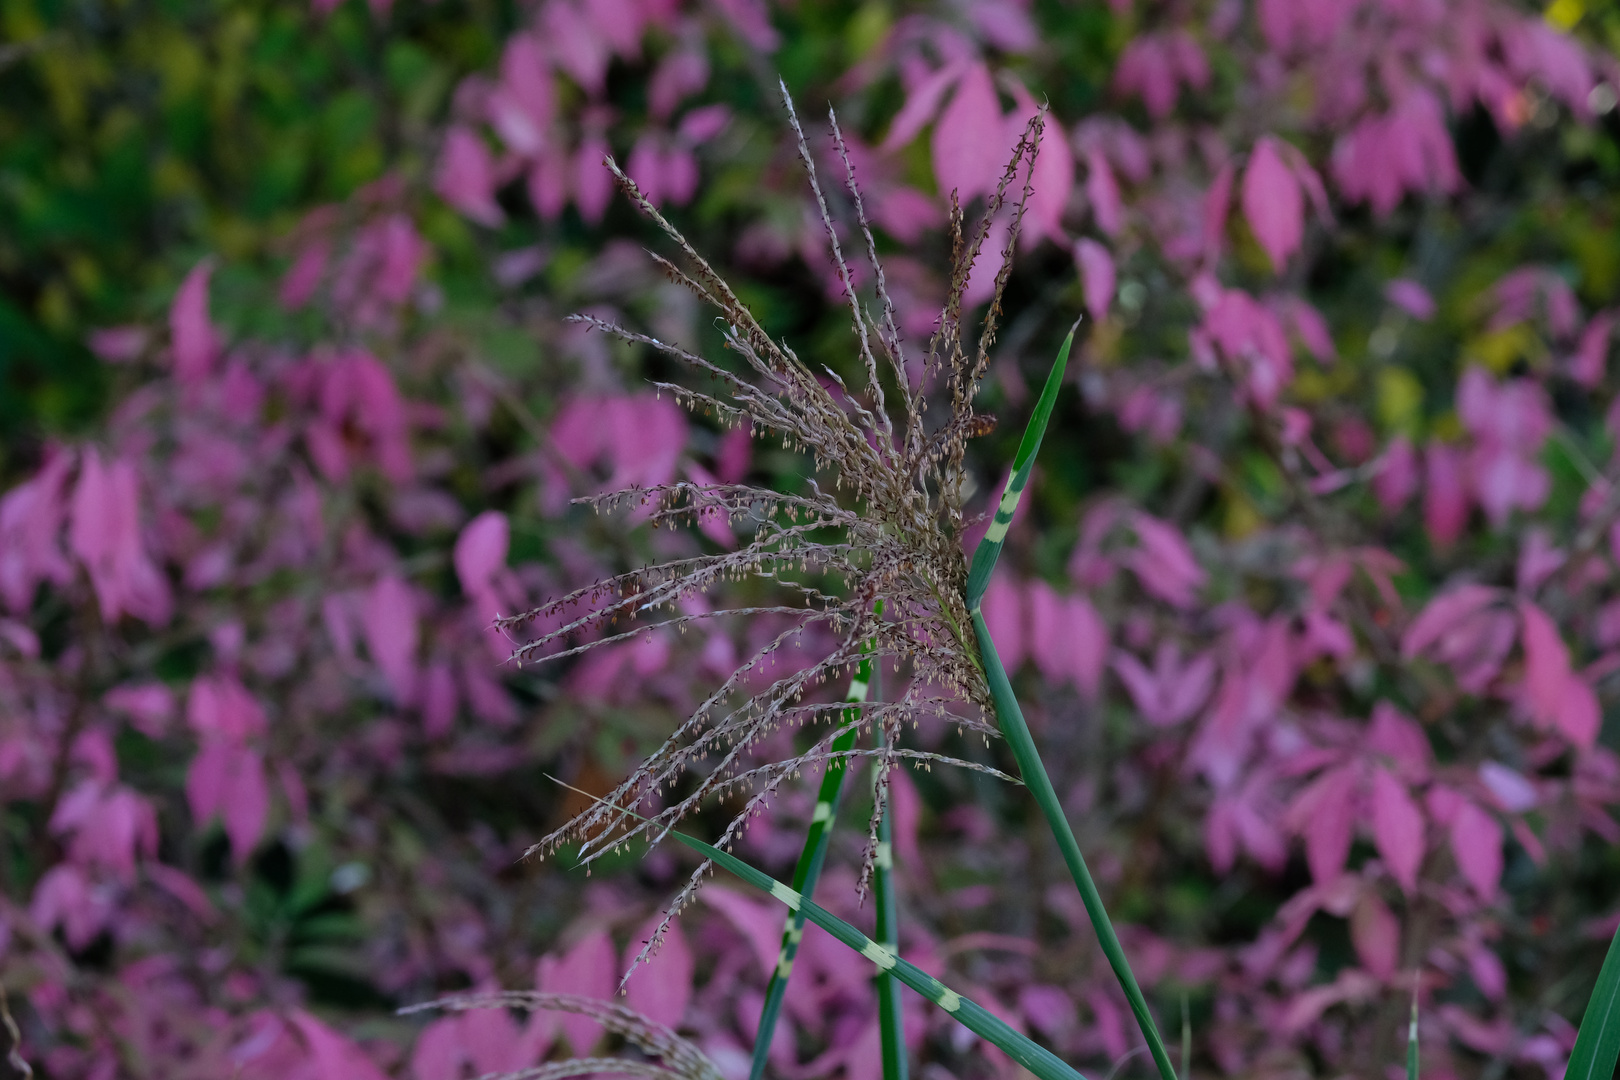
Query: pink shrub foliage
[(261, 594)]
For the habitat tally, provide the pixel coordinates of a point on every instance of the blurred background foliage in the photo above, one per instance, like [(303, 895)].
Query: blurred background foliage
[(138, 136)]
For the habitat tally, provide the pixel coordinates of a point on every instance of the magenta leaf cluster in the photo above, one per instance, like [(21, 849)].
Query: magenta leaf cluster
[(1317, 602)]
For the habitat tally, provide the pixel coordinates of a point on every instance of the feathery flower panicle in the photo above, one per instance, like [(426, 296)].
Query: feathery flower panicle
[(889, 529)]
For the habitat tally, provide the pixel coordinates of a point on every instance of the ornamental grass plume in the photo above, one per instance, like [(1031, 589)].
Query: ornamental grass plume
[(871, 556)]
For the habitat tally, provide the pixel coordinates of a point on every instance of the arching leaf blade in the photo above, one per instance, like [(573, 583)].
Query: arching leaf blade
[(1597, 1046), (989, 549), (983, 1023)]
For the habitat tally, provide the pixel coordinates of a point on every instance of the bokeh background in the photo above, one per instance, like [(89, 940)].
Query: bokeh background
[(1313, 609)]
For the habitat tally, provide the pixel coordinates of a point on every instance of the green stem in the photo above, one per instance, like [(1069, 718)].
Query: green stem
[(890, 1019), (971, 1015), (1033, 771), (1011, 717), (808, 869)]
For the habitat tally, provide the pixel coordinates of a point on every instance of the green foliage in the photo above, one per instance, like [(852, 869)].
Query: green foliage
[(136, 135)]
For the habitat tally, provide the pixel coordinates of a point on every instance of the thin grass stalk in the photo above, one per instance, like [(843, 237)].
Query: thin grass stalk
[(891, 1021), (971, 1015), (1412, 1038), (1016, 731), (807, 871)]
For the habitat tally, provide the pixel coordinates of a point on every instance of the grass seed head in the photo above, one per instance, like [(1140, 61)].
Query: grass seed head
[(891, 528)]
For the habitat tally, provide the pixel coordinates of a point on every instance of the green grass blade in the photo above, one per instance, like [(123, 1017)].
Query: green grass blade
[(1030, 767), (808, 870), (805, 874), (1186, 1035), (977, 1019), (1598, 1045), (989, 549), (1011, 717), (1412, 1040), (890, 1019)]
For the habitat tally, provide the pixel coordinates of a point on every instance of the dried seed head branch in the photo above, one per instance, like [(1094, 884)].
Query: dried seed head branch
[(644, 1033), (1028, 143), (857, 317), (889, 526), (890, 334)]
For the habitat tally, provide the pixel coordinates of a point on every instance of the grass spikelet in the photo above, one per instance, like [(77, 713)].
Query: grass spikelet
[(881, 518)]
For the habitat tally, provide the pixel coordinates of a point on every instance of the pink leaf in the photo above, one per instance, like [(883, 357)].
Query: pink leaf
[(661, 989), (752, 20), (586, 970), (1144, 68), (1394, 737), (466, 177), (495, 1042), (149, 706), (1489, 974), (734, 455), (1397, 828), (967, 139), (1445, 500), (438, 701), (480, 553), (1538, 559), (219, 705), (593, 184), (906, 808), (31, 516), (526, 77), (1096, 276), (1555, 696), (1411, 298), (117, 344), (576, 45), (679, 74), (1171, 692), (335, 1058), (1376, 934), (298, 285), (245, 800), (438, 1054), (1591, 358), (1068, 639), (104, 532), (1102, 191), (1052, 181), (760, 924), (64, 897), (646, 166), (1217, 201), (1514, 793), (1004, 618), (1273, 202), (388, 619), (1325, 813), (1049, 1009), (922, 102), (1476, 842), (192, 336), (1397, 478), (178, 885), (402, 253), (1164, 564), (1444, 613), (1582, 716), (547, 184)]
